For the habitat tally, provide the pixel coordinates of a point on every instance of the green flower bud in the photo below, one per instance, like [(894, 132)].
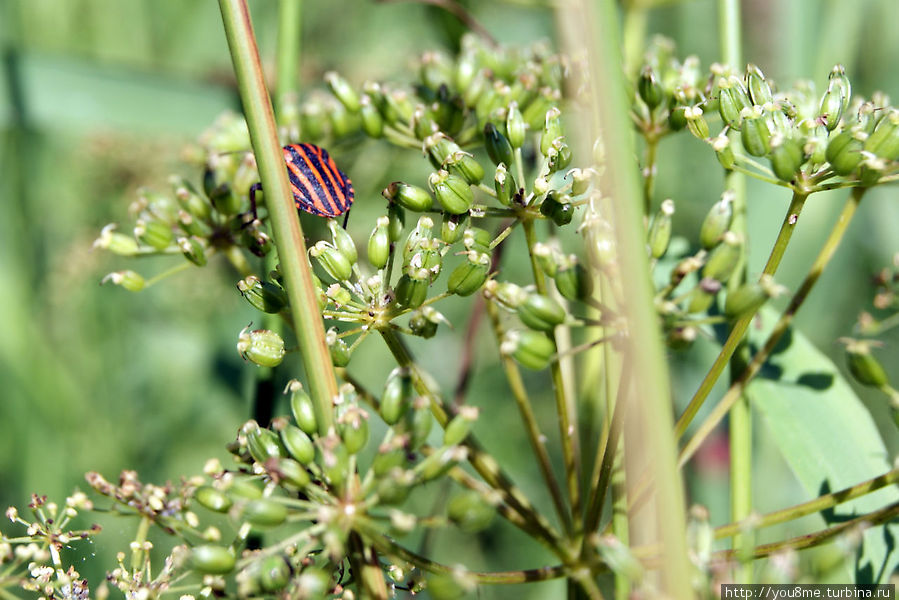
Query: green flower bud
[(872, 169), (498, 147), (335, 264), (476, 238), (154, 233), (298, 444), (340, 352), (728, 105), (723, 151), (291, 472), (411, 293), (333, 458), (558, 155), (453, 227), (389, 457), (372, 123), (353, 426), (436, 70), (417, 237), (759, 88), (274, 573), (835, 99), (749, 297), (192, 226), (703, 295), (552, 129), (408, 196), (437, 464), (440, 148), (755, 134), (696, 123), (884, 140), (422, 124), (531, 349), (466, 68), (302, 408), (263, 295), (129, 280), (424, 322), (448, 112), (649, 88), (515, 126), (506, 293), (426, 262), (541, 312), (261, 346), (262, 443), (244, 488), (117, 243), (213, 499), (470, 512), (320, 292), (397, 216), (453, 192), (343, 122), (677, 118), (192, 203), (344, 92), (343, 241), (580, 181), (379, 244), (786, 157), (398, 392), (264, 512), (472, 93), (660, 230), (449, 586), (863, 366), (505, 186), (724, 257), (212, 560), (419, 422), (469, 276), (463, 164), (844, 151), (573, 281), (717, 221), (459, 426)]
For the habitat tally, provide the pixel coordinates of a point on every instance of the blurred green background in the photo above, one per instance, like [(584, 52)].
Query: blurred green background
[(100, 97)]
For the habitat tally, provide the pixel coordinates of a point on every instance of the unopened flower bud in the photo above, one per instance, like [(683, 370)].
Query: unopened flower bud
[(372, 122), (478, 239), (440, 148), (717, 221), (835, 98), (261, 346), (531, 349), (786, 157), (863, 366), (755, 134), (469, 276), (749, 297), (117, 243), (263, 295), (649, 88), (499, 149), (129, 280), (660, 230), (541, 312), (343, 241), (573, 281), (332, 261), (453, 227), (379, 244), (884, 140), (844, 151), (504, 184), (344, 92), (724, 257), (696, 123), (723, 151), (340, 352), (412, 292), (212, 560), (552, 129), (759, 87), (515, 126), (298, 444), (338, 294), (460, 425), (424, 321), (397, 395), (302, 408), (463, 164), (154, 233), (453, 192), (193, 250)]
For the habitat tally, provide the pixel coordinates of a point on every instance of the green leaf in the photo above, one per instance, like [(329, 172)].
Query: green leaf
[(827, 436)]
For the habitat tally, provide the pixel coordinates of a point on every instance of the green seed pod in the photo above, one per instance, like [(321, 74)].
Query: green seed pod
[(344, 92), (244, 488), (453, 192), (387, 459), (436, 70), (437, 464), (508, 294), (515, 126), (333, 458), (440, 148), (398, 392), (749, 297), (153, 233), (192, 202), (353, 427), (505, 186), (264, 512), (274, 573), (338, 294), (835, 99), (470, 512), (728, 104), (541, 312), (703, 295), (558, 155), (320, 292), (463, 164), (411, 293), (129, 280), (372, 123), (212, 560), (262, 443), (499, 149), (453, 227), (379, 244), (340, 352), (117, 243), (677, 118), (872, 169), (417, 237), (335, 264), (786, 157), (408, 196), (261, 346), (548, 258), (476, 238), (552, 130), (395, 487), (343, 241), (397, 216), (759, 87), (459, 426), (469, 276), (649, 88), (467, 66), (580, 181), (660, 230), (312, 121), (263, 295), (863, 366), (298, 444), (696, 123), (573, 281), (291, 472), (844, 151), (884, 140), (724, 257), (419, 422), (213, 499), (755, 134), (302, 408), (343, 122), (531, 349), (424, 322), (717, 221)]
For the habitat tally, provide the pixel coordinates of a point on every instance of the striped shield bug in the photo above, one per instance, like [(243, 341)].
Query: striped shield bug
[(318, 186)]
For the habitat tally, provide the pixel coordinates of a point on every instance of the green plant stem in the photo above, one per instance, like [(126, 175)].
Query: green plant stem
[(366, 569), (812, 506), (733, 394), (485, 465), (740, 327), (566, 410), (649, 173), (519, 392), (636, 17), (286, 230), (287, 58), (138, 552)]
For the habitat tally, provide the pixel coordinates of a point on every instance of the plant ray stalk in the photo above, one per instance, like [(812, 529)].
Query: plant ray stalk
[(286, 229)]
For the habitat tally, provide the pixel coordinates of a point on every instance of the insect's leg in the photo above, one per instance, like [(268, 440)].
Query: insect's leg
[(346, 219), (251, 215)]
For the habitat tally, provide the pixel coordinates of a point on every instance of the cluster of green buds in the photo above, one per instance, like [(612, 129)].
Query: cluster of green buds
[(811, 141)]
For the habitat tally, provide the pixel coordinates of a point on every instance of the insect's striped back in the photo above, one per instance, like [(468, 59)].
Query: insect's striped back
[(318, 186)]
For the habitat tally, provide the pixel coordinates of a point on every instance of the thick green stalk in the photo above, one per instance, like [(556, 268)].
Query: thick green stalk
[(740, 327), (736, 389), (287, 59), (648, 439), (286, 230)]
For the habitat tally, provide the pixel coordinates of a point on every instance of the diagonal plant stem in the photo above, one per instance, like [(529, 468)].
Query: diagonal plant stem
[(733, 394), (286, 229), (740, 327)]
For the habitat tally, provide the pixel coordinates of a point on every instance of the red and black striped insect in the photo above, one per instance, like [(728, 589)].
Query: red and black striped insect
[(318, 186)]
